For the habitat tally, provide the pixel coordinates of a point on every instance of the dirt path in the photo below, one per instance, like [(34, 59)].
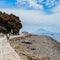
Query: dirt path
[(6, 51)]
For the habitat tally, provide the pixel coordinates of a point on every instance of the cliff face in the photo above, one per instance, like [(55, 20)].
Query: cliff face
[(10, 21)]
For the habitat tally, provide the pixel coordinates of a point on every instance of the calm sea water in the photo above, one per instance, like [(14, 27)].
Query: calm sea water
[(36, 29)]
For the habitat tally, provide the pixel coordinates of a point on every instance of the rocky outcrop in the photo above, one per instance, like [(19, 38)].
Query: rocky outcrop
[(36, 47), (10, 21)]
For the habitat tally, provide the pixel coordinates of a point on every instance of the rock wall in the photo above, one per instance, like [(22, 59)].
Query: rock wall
[(5, 19)]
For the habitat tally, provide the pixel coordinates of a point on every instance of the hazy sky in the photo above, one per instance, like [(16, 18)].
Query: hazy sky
[(39, 12)]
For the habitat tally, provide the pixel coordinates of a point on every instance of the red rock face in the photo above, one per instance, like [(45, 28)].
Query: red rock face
[(15, 23)]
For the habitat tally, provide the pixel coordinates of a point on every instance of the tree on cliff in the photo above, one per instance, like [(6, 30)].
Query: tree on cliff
[(12, 25), (10, 22)]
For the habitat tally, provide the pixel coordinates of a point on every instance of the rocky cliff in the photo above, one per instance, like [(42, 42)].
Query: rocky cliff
[(36, 47), (8, 22)]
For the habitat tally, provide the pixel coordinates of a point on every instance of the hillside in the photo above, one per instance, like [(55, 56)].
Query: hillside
[(36, 45)]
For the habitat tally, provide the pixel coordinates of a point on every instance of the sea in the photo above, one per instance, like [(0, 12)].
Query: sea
[(37, 29)]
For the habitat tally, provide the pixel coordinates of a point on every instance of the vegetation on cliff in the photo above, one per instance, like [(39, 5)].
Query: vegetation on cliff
[(10, 22)]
